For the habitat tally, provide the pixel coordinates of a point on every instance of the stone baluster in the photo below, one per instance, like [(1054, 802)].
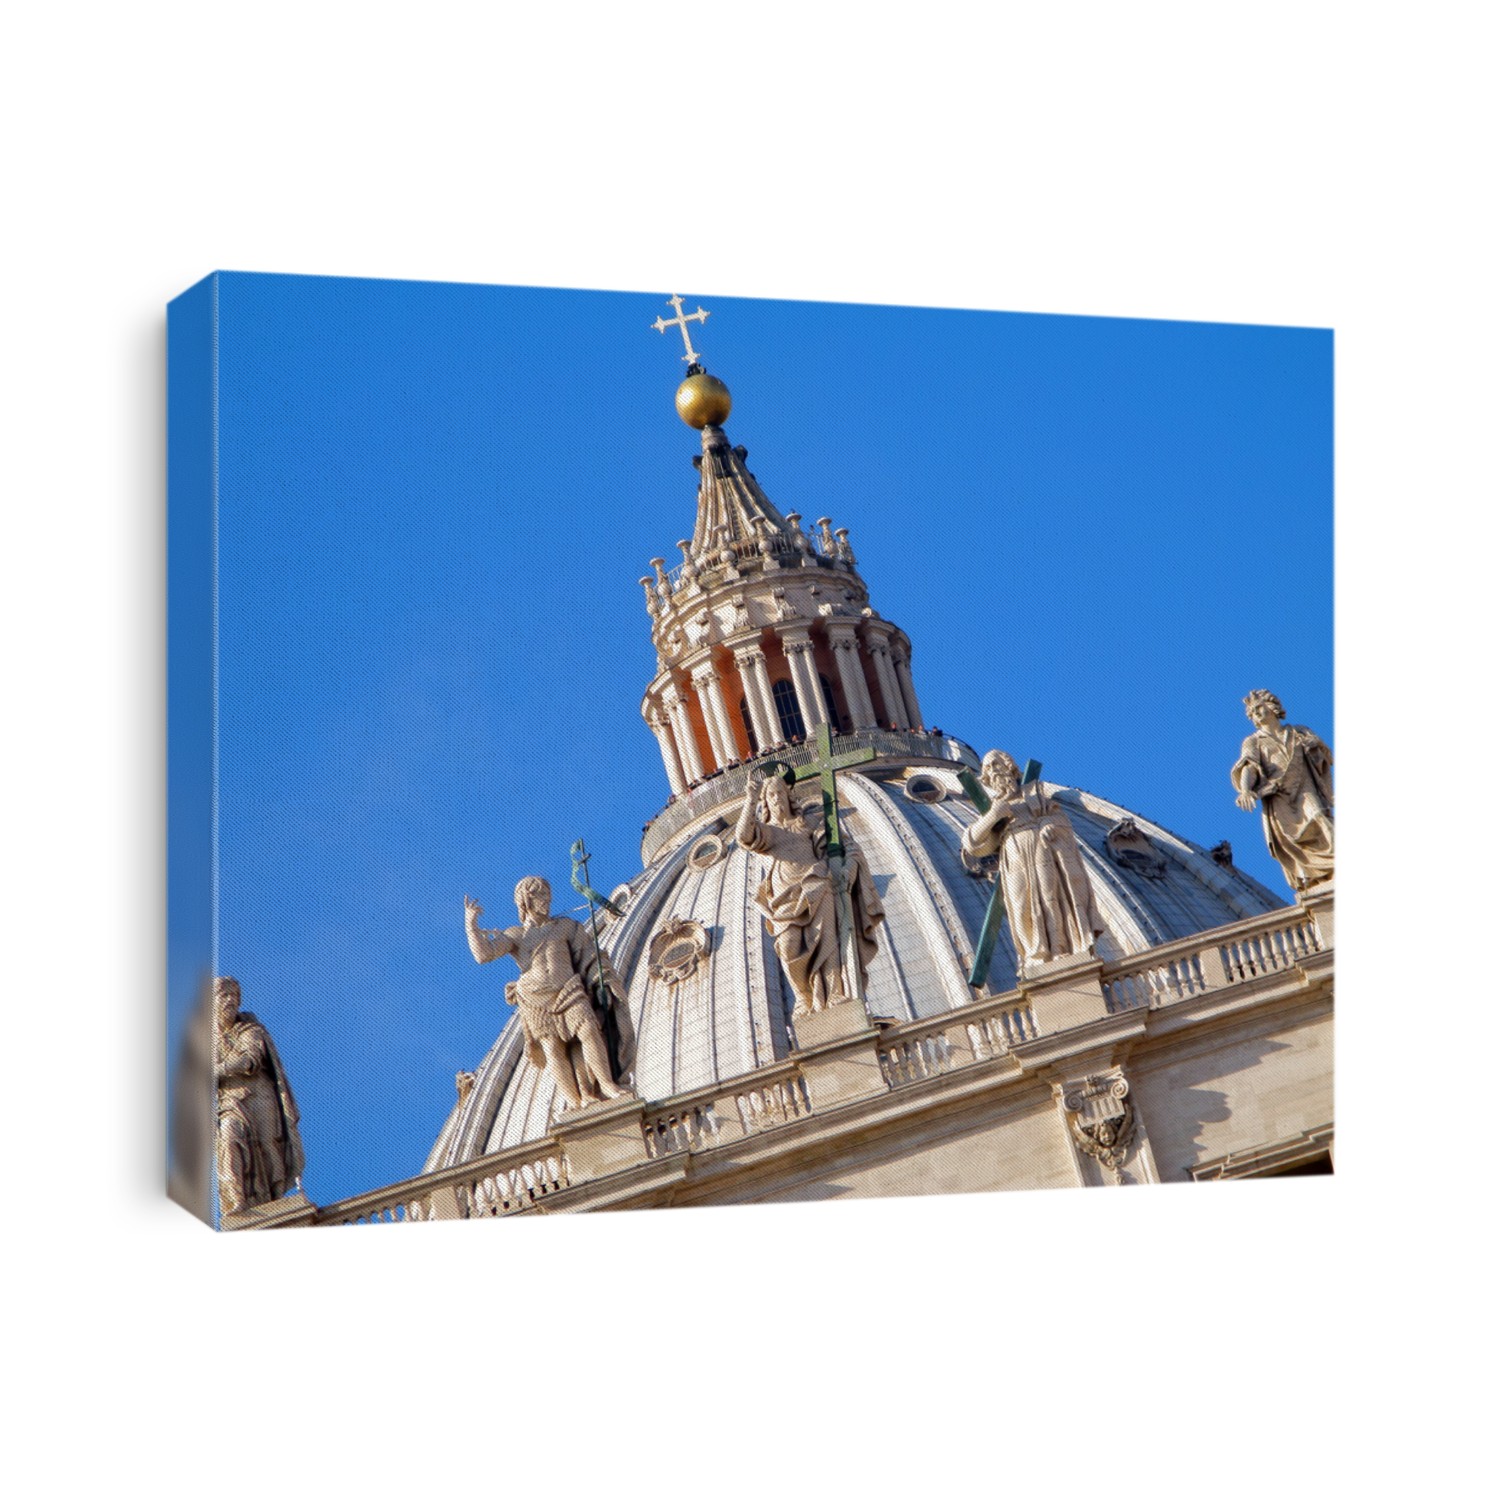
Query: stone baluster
[(653, 604)]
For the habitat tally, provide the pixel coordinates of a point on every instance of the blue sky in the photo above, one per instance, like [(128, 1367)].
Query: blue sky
[(436, 501)]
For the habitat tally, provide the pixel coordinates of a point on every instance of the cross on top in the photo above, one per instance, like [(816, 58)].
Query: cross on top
[(681, 321)]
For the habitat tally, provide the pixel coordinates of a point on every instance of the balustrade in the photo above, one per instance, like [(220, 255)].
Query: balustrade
[(766, 1106), (1269, 952), (411, 1211), (1174, 972), (489, 1187), (779, 1096), (1146, 989), (506, 1189), (690, 1129), (991, 1036), (910, 1059)]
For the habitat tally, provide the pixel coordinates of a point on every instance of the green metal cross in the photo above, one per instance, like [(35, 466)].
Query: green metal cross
[(824, 766), (581, 858), (995, 911)]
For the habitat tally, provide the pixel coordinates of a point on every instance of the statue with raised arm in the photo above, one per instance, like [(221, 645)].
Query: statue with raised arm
[(1048, 897), (1289, 771), (800, 899), (570, 998), (258, 1147)]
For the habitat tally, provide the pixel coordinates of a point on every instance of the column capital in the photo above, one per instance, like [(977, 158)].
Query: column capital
[(746, 648)]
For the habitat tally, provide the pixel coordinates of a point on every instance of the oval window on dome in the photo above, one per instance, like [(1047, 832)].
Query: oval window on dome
[(709, 850), (924, 788)]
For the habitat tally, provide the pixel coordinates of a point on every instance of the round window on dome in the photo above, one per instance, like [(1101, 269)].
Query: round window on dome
[(924, 788), (709, 850)]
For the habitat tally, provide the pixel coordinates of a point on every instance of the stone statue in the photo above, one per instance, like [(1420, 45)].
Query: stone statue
[(571, 1000), (259, 1149), (800, 899), (1048, 897), (1288, 770)]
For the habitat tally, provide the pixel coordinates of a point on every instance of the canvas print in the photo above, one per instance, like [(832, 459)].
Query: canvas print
[(636, 750)]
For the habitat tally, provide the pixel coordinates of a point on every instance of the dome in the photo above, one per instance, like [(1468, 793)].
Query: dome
[(706, 993)]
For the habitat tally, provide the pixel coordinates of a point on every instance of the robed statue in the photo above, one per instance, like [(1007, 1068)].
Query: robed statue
[(1048, 898), (258, 1146), (800, 899), (1289, 771), (570, 998)]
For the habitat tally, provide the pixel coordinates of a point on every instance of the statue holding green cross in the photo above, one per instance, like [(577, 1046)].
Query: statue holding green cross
[(818, 896), (1040, 882)]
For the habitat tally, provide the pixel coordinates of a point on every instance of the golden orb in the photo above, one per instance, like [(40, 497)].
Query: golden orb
[(703, 400)]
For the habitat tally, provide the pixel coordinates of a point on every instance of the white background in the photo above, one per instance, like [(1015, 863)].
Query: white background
[(1291, 163)]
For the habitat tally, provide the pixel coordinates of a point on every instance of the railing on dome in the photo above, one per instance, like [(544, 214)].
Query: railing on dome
[(728, 786)]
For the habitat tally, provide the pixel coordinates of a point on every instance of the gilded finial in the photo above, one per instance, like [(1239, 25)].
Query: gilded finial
[(702, 399)]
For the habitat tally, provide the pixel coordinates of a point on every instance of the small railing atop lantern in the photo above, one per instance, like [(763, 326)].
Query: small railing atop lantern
[(785, 555)]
